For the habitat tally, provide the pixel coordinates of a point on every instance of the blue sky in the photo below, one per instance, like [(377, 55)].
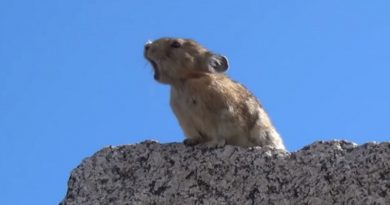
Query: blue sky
[(73, 78)]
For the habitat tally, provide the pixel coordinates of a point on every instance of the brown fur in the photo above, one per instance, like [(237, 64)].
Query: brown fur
[(210, 107)]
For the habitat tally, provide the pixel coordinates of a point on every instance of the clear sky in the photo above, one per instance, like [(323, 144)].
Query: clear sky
[(73, 78)]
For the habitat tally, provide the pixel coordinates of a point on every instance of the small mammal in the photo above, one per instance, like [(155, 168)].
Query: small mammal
[(211, 108)]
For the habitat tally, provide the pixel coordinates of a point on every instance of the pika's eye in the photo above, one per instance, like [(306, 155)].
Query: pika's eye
[(175, 44)]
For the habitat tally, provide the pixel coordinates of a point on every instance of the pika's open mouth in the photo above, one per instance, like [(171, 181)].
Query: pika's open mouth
[(155, 68)]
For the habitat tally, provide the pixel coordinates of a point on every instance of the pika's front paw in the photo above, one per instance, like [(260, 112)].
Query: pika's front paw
[(190, 142), (215, 144)]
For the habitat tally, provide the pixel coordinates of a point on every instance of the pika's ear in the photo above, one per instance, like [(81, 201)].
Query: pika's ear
[(218, 63)]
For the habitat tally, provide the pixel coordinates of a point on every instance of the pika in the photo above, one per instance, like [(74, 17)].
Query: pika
[(211, 108)]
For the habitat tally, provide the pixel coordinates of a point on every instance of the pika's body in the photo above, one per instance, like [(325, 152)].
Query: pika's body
[(210, 107)]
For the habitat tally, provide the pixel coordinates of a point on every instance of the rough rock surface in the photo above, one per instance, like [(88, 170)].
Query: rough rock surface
[(334, 172)]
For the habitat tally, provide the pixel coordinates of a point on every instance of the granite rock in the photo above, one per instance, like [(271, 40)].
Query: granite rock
[(325, 172)]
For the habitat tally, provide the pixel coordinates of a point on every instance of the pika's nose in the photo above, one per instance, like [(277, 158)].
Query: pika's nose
[(147, 45)]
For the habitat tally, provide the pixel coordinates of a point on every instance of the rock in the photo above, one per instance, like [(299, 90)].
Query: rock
[(333, 172)]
